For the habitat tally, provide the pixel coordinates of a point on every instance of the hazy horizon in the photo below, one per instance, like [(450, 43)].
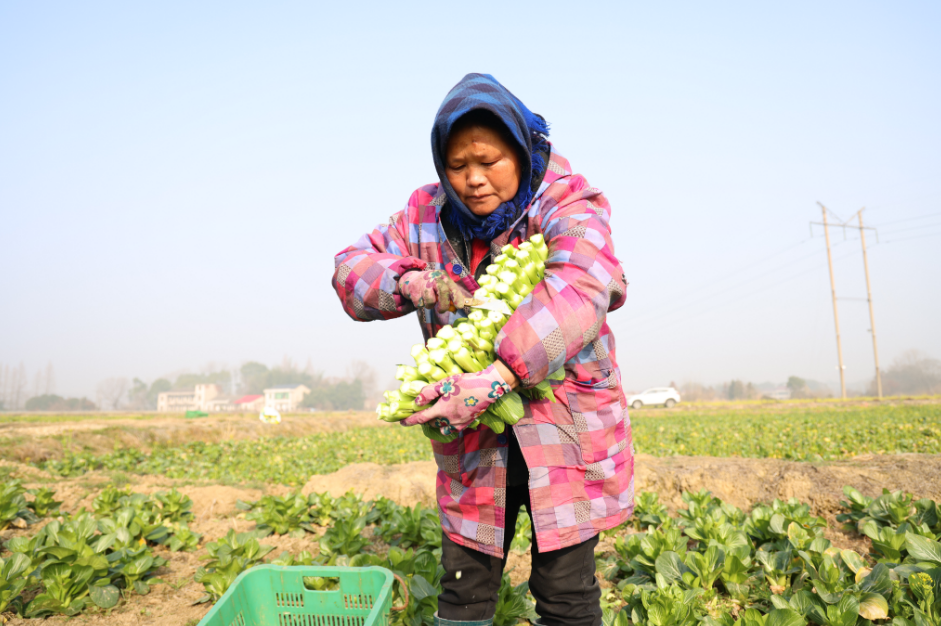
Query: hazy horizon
[(175, 180)]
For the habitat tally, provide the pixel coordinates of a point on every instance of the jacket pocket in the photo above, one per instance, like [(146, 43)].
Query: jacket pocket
[(597, 412), (450, 457)]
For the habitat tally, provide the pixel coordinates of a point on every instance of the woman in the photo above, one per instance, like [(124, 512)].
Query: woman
[(570, 462)]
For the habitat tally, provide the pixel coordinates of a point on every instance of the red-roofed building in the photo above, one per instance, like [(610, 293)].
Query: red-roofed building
[(250, 403)]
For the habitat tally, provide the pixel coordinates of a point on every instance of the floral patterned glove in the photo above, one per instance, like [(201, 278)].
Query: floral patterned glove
[(460, 400), (425, 289)]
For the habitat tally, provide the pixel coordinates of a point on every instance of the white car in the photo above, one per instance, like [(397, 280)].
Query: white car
[(667, 396)]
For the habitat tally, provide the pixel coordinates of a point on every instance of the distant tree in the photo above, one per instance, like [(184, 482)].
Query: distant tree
[(911, 373), (736, 390), (111, 392), (44, 402), (137, 396), (142, 396), (254, 377), (692, 392), (188, 381), (291, 376), (79, 404), (798, 387), (340, 396), (52, 402), (157, 387)]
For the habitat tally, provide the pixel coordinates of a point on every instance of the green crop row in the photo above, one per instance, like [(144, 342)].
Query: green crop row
[(285, 460), (88, 556), (817, 433), (710, 564), (716, 565), (802, 434)]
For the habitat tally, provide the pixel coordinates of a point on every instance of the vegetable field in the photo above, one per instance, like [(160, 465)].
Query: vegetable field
[(154, 533), (824, 432)]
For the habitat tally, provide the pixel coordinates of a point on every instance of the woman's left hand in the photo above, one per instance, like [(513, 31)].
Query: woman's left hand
[(460, 400)]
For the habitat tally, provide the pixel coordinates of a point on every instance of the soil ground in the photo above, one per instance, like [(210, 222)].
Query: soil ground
[(741, 482)]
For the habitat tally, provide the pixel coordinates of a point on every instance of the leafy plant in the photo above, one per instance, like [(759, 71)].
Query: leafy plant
[(857, 505), (648, 511), (667, 605), (227, 558), (281, 515), (13, 505), (705, 567), (174, 506), (413, 526), (43, 503), (891, 508), (132, 568), (777, 568), (133, 526), (64, 590), (843, 613), (523, 536), (513, 603), (926, 608), (345, 537), (12, 579), (182, 538), (654, 543), (109, 500), (888, 545)]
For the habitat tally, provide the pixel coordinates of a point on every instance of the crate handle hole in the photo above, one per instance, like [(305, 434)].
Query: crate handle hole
[(321, 583)]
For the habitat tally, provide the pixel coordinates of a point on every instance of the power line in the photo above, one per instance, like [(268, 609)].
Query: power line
[(909, 219), (749, 266), (659, 313), (655, 319), (908, 228), (641, 326), (910, 238)]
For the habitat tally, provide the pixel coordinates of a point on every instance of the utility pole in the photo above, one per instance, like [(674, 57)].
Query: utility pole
[(872, 319), (836, 316)]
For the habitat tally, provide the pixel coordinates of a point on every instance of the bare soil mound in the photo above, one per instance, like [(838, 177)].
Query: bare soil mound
[(741, 482), (406, 483)]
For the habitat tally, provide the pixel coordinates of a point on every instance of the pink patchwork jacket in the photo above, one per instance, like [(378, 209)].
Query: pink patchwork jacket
[(578, 449)]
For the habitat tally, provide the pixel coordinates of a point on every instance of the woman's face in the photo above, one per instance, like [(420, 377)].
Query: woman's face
[(483, 169)]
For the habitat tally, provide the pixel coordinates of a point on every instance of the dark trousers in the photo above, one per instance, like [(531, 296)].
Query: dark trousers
[(562, 581)]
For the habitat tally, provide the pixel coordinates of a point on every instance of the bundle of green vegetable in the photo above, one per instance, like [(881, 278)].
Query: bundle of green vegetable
[(467, 346)]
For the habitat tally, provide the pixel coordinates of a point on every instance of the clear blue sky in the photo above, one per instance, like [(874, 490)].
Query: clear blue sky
[(175, 178)]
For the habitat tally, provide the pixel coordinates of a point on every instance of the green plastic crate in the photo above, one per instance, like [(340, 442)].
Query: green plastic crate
[(271, 595)]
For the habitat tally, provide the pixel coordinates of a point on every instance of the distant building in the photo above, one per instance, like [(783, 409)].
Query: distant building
[(779, 393), (220, 404), (199, 399), (285, 398), (250, 403)]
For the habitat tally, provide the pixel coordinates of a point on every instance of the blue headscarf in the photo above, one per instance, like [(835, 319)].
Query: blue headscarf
[(530, 131)]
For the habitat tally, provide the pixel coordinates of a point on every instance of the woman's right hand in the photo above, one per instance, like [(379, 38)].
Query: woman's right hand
[(430, 288)]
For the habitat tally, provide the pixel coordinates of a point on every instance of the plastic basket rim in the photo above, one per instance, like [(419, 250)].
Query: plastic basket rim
[(314, 570)]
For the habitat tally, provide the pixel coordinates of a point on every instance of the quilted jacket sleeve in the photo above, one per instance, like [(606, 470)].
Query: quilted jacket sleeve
[(367, 272), (584, 281)]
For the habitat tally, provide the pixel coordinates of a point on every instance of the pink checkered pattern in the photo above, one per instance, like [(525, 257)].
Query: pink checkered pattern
[(578, 449)]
